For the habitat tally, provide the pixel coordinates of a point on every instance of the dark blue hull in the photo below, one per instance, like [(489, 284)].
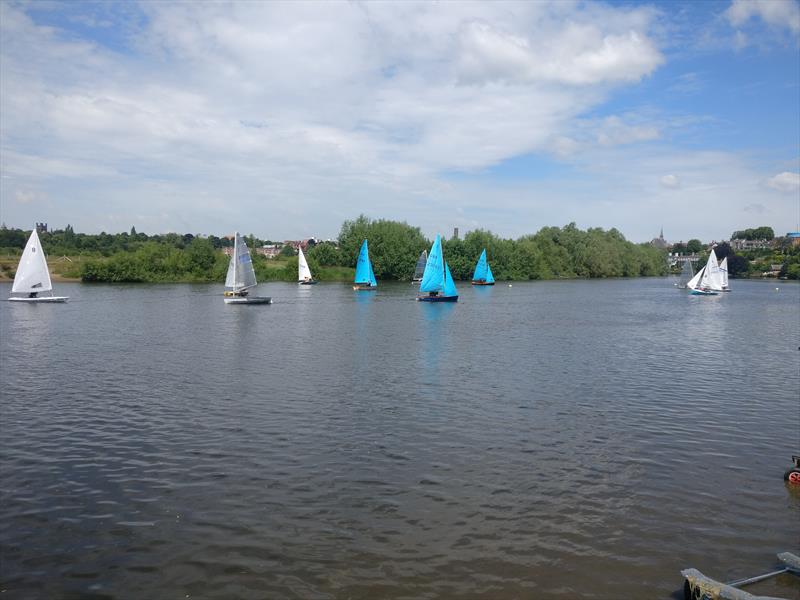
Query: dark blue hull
[(437, 298)]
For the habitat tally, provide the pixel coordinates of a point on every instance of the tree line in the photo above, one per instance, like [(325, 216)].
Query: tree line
[(552, 252)]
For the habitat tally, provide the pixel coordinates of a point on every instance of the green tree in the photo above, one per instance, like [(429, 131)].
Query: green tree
[(694, 246)]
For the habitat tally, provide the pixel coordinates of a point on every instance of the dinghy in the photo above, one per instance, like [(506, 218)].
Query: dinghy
[(241, 276), (419, 269), (365, 277), (32, 276), (708, 280), (303, 272), (483, 272), (437, 283)]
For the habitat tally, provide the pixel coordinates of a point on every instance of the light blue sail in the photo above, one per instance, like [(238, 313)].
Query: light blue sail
[(480, 268), (363, 267), (372, 281), (449, 285), (489, 276), (433, 277)]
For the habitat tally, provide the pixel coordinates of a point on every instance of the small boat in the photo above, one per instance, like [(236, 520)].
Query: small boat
[(419, 269), (241, 276), (483, 272), (365, 277), (437, 283), (303, 272), (700, 587), (723, 269), (32, 276), (708, 280), (687, 272)]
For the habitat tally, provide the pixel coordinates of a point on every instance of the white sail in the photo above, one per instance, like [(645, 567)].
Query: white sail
[(713, 277), (694, 282), (240, 270), (303, 272), (723, 267), (32, 274)]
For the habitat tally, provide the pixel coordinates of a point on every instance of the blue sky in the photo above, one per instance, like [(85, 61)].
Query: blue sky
[(284, 119)]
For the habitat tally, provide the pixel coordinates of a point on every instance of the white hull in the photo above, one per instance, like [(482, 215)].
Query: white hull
[(49, 299), (248, 300)]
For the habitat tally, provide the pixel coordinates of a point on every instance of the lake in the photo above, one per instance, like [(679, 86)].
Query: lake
[(550, 440)]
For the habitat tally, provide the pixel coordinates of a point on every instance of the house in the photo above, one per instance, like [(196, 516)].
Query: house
[(750, 244), (794, 237)]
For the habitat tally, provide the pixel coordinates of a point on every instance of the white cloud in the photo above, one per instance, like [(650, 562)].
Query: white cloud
[(290, 117), (777, 13), (785, 182), (670, 181)]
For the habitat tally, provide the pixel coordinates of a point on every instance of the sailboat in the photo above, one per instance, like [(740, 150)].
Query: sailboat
[(708, 280), (687, 272), (32, 276), (241, 276), (723, 269), (365, 277), (303, 272), (420, 268), (483, 272), (437, 283)]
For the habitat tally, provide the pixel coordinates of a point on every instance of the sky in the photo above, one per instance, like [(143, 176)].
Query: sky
[(284, 119)]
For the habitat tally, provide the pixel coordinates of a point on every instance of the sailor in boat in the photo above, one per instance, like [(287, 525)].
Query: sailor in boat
[(33, 295)]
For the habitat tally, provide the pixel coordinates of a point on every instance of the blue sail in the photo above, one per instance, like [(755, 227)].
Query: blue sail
[(489, 276), (372, 280), (449, 285), (480, 268), (433, 277), (363, 267)]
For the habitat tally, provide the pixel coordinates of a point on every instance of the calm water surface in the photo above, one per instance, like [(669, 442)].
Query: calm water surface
[(579, 439)]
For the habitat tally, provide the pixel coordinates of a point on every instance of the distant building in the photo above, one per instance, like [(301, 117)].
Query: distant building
[(660, 242), (269, 250), (794, 237), (455, 233), (750, 244), (41, 228)]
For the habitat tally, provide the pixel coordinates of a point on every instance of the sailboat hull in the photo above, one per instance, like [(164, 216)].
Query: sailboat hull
[(702, 293), (365, 288), (43, 299), (437, 298), (248, 300), (312, 282), (483, 283)]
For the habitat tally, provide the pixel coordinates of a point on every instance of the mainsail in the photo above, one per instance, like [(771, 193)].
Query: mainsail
[(686, 274), (240, 269), (303, 272), (433, 277), (420, 268), (364, 274), (723, 268), (32, 274), (713, 273)]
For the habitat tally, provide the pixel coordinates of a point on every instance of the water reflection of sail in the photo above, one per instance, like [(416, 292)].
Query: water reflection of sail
[(436, 320)]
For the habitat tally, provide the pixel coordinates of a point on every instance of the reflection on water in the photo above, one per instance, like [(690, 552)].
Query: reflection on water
[(569, 439)]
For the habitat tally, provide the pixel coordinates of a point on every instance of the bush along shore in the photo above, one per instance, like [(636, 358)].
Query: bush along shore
[(551, 253)]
